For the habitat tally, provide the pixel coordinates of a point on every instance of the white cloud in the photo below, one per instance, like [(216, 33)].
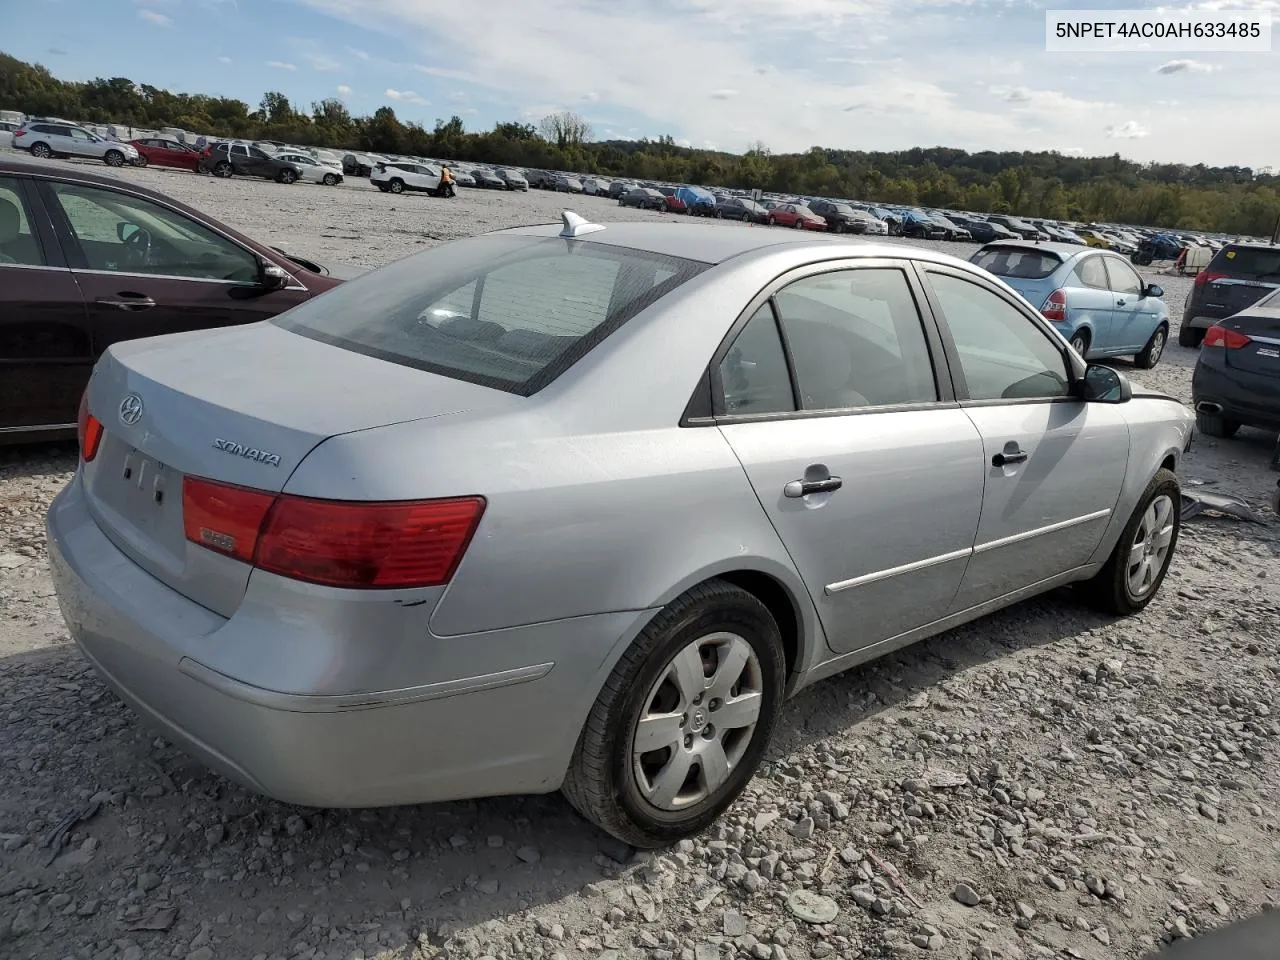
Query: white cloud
[(1186, 66), (344, 90), (224, 60), (358, 54), (1045, 101), (155, 18), (723, 94), (282, 65), (404, 96), (1129, 130)]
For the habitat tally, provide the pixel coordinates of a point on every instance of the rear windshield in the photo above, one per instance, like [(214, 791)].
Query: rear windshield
[(503, 311), (1018, 263), (1248, 261)]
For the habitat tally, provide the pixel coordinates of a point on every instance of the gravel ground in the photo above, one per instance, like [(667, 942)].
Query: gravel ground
[(1042, 783)]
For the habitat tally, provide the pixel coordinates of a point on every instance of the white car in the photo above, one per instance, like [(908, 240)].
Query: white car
[(312, 170), (6, 132), (392, 177), (57, 138)]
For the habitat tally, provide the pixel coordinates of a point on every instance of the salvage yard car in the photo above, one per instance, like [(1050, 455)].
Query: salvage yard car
[(88, 260), (1095, 300), (1238, 276), (591, 503), (57, 138), (1237, 375)]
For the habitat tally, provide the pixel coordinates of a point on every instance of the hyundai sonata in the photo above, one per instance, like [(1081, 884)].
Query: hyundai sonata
[(578, 508)]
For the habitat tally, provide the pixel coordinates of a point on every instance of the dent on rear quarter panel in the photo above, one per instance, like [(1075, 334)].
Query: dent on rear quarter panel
[(1158, 429)]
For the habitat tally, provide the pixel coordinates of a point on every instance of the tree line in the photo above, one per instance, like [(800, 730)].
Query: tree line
[(1234, 200)]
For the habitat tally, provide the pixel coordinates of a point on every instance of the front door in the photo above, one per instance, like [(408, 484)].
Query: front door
[(874, 483), (1136, 316), (1053, 465), (146, 270), (45, 349)]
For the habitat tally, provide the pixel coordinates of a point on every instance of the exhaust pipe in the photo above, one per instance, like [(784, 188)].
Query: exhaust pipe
[(1208, 406)]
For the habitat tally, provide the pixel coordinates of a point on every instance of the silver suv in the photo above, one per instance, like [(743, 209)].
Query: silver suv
[(57, 138)]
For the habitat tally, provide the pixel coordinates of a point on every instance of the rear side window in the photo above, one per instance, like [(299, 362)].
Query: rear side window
[(1017, 263), (503, 311), (1258, 262), (1093, 274)]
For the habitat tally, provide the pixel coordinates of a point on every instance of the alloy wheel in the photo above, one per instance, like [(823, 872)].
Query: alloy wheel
[(697, 721), (1150, 547), (1157, 346)]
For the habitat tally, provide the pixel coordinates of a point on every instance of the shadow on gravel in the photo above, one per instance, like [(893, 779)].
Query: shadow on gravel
[(265, 876), (38, 459)]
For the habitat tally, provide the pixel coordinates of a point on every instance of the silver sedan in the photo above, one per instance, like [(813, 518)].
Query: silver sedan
[(577, 507)]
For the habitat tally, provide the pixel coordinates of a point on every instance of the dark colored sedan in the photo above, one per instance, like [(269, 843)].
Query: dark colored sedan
[(644, 198), (87, 260), (164, 152), (1237, 377), (741, 208)]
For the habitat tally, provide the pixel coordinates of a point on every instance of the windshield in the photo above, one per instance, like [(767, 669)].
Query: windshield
[(503, 311), (1017, 263)]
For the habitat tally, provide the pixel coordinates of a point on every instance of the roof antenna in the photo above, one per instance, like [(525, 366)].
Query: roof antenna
[(576, 226)]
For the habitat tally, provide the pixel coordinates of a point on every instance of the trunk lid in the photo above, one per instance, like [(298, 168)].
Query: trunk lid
[(1262, 354), (241, 405)]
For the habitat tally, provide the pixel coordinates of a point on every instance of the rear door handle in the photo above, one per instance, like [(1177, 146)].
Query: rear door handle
[(802, 488), (1010, 455), (127, 301)]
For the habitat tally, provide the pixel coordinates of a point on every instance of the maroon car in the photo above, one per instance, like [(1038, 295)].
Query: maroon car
[(86, 260), (795, 215), (166, 152)]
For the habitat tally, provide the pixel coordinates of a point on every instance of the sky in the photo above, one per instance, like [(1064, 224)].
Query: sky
[(723, 74)]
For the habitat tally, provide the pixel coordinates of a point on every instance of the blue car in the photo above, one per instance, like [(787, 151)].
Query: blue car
[(1093, 297)]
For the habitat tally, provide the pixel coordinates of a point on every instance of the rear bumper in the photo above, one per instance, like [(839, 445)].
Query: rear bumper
[(1245, 397), (508, 724), (1200, 321)]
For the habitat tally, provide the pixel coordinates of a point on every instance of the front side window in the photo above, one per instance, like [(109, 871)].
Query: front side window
[(18, 244), (856, 339), (1123, 279), (127, 234), (503, 311), (1003, 354), (754, 373)]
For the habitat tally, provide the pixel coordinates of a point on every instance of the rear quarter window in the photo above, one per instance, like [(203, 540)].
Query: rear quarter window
[(1017, 263), (1248, 261), (502, 311)]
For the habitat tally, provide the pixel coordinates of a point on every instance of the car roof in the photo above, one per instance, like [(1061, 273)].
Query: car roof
[(1064, 250), (714, 243)]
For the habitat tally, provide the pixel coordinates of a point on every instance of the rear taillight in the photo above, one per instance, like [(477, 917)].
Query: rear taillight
[(88, 430), (1055, 307), (1208, 276), (19, 133), (333, 542), (1217, 336)]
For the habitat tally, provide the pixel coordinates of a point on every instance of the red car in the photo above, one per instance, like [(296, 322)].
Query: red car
[(674, 203), (164, 152), (87, 260), (796, 215)]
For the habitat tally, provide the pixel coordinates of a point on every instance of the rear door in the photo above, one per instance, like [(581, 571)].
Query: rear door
[(45, 350), (1053, 464), (869, 471), (147, 269), (1135, 316)]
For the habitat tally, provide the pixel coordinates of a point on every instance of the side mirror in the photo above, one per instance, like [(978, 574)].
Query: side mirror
[(1103, 385), (126, 230), (272, 276), (1152, 290)]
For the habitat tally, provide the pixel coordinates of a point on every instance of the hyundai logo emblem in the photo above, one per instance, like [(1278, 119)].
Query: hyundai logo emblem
[(131, 409)]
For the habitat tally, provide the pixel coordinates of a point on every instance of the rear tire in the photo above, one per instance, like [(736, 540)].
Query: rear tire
[(1216, 425), (396, 185), (41, 150), (1189, 336), (141, 161), (1080, 342), (1125, 585), (622, 791), (1154, 349)]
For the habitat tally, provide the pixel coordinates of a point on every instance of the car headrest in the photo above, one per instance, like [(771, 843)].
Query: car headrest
[(10, 220)]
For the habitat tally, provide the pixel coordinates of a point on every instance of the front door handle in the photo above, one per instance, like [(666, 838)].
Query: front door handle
[(802, 488), (1011, 454), (1119, 303), (127, 301)]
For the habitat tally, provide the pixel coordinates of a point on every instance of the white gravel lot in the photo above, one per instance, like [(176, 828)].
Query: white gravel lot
[(1045, 783)]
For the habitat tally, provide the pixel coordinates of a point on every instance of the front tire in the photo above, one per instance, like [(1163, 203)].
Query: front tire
[(683, 720), (286, 176), (1154, 349), (1138, 564), (329, 180), (113, 158)]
